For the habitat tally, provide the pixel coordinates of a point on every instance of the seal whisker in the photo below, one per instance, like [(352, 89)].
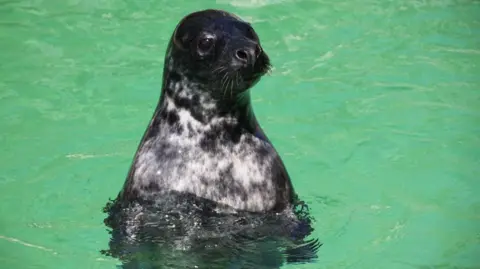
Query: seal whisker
[(218, 70), (237, 80), (228, 86), (224, 83), (222, 80), (224, 89), (231, 86)]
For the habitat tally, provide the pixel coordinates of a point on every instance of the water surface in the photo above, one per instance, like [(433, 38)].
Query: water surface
[(373, 105)]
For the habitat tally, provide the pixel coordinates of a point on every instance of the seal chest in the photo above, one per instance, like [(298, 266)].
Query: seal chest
[(204, 138), (215, 159)]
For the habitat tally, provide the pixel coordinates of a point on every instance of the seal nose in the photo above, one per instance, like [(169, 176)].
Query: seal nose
[(246, 56)]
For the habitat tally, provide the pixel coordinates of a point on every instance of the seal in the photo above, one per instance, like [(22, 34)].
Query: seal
[(204, 138), (204, 146)]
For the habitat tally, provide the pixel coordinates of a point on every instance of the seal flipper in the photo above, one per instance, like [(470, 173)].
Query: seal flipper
[(304, 253), (305, 250)]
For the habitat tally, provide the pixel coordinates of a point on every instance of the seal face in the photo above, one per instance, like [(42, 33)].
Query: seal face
[(218, 51), (204, 138)]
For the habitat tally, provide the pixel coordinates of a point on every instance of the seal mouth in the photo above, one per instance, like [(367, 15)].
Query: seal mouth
[(230, 80)]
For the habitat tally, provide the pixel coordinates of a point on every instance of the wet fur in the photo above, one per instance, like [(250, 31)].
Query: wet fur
[(204, 154)]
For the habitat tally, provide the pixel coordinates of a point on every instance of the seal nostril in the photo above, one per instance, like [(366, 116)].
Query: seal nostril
[(242, 55)]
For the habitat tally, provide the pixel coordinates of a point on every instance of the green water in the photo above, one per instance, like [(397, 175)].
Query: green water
[(373, 105)]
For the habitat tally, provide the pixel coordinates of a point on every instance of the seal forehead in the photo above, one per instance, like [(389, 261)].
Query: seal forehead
[(210, 14), (209, 20)]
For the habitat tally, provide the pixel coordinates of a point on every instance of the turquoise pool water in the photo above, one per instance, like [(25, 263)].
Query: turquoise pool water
[(373, 105)]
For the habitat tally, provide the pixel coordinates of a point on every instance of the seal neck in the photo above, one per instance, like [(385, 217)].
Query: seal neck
[(180, 95)]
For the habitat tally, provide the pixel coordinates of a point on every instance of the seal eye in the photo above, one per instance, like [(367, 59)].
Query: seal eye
[(205, 44)]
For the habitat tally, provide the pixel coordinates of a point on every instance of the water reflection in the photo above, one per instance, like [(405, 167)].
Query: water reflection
[(184, 232)]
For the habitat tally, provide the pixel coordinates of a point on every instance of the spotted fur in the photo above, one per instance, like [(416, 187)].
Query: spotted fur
[(207, 154)]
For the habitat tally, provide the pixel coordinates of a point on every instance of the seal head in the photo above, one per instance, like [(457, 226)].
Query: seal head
[(218, 50)]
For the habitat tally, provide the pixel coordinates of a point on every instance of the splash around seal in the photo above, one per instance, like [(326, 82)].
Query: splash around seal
[(204, 166)]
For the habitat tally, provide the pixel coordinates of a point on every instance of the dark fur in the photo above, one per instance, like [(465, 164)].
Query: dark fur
[(204, 166)]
